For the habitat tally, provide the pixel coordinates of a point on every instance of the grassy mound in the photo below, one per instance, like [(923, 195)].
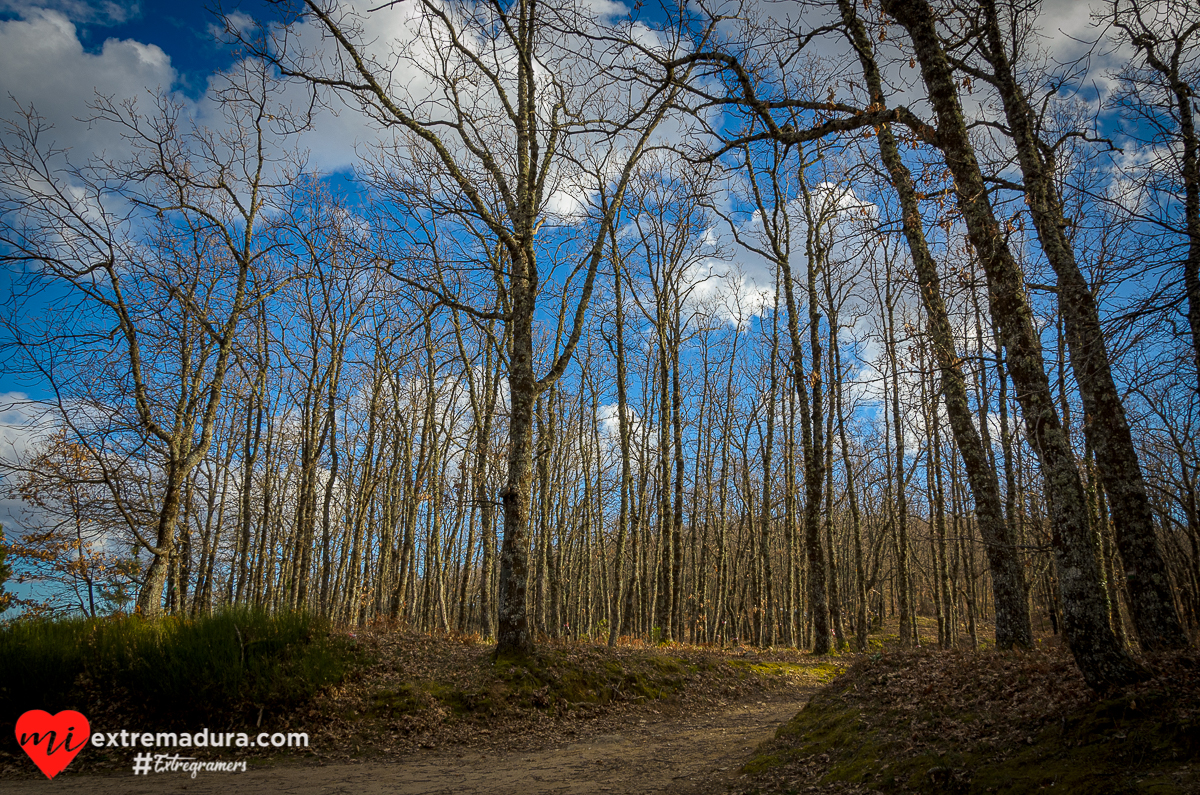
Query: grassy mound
[(553, 680), (174, 670), (990, 722), (426, 691), (559, 680)]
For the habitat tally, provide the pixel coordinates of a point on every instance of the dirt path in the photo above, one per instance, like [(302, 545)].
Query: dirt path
[(652, 753)]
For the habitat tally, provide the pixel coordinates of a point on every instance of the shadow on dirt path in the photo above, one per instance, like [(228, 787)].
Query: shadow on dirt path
[(681, 752)]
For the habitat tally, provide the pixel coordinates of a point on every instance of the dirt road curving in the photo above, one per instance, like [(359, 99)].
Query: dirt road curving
[(685, 753)]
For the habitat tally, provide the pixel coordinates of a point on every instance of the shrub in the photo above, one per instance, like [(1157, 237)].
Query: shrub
[(173, 668)]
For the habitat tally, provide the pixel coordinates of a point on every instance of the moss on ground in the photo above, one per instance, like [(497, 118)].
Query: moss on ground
[(556, 679), (818, 672)]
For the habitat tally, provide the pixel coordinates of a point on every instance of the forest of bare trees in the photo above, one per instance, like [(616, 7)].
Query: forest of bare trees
[(722, 323)]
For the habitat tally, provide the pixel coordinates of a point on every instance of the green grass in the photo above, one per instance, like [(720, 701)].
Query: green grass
[(822, 673), (220, 665)]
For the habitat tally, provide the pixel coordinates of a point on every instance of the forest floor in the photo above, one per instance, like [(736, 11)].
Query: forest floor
[(989, 722), (438, 715)]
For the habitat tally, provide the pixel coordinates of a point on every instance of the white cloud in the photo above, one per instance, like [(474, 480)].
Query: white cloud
[(23, 425), (43, 63)]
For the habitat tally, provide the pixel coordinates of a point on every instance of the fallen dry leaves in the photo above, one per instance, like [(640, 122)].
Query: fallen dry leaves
[(1026, 707)]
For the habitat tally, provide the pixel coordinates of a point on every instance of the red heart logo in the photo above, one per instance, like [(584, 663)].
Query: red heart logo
[(52, 740)]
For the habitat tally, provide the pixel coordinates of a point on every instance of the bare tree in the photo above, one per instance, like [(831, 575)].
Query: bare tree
[(523, 103), (1012, 612), (164, 254), (1107, 429), (1160, 88)]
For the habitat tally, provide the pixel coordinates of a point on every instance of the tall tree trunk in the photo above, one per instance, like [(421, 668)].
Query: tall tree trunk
[(901, 494), (512, 634), (150, 598), (626, 464), (1154, 616), (1100, 656), (678, 460), (860, 577), (664, 609)]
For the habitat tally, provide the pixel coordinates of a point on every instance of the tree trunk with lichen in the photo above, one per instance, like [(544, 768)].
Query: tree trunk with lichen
[(1101, 658), (512, 629), (1154, 616), (1013, 626)]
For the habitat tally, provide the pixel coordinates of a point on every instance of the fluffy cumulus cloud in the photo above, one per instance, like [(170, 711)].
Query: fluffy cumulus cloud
[(44, 64), (47, 62)]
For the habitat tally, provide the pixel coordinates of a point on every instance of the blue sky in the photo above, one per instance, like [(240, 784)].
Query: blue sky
[(56, 54)]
